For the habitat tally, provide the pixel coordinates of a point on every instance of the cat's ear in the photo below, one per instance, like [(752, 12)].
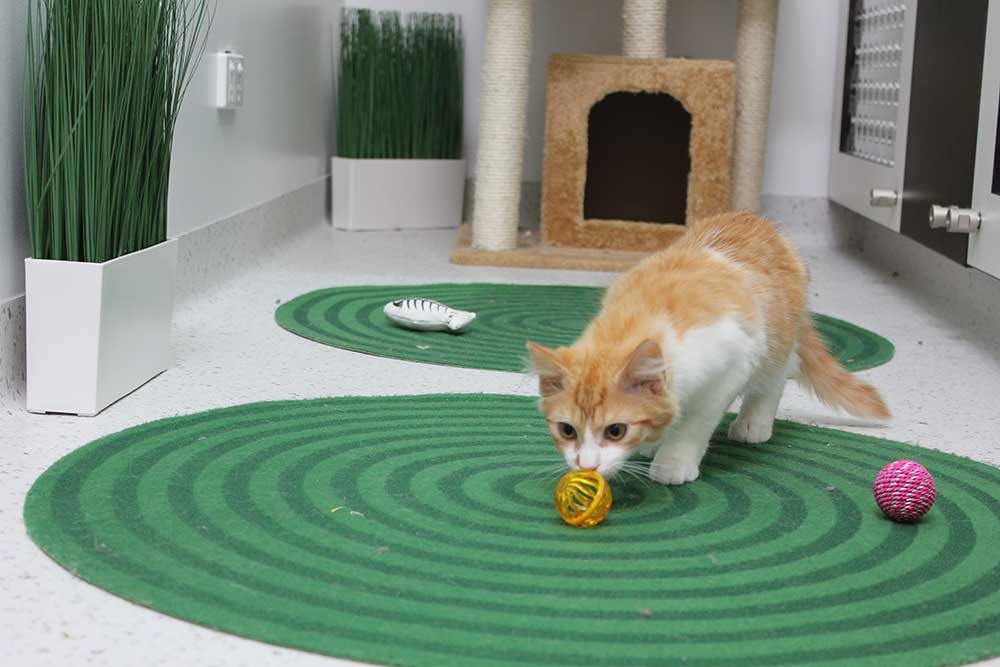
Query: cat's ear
[(547, 364), (645, 370)]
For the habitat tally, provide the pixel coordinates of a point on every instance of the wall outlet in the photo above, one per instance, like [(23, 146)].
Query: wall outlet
[(228, 80)]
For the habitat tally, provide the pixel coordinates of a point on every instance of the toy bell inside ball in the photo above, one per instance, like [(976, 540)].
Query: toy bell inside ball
[(583, 498), (904, 491)]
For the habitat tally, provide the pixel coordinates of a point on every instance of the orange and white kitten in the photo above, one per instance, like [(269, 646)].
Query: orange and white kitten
[(721, 312)]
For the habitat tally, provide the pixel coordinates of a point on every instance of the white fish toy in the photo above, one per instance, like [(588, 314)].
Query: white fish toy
[(427, 315)]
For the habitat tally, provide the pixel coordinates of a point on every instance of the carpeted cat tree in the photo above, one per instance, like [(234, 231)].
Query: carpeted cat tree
[(609, 197)]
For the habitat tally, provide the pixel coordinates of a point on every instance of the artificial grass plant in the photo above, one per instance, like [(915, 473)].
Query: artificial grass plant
[(400, 91), (104, 83)]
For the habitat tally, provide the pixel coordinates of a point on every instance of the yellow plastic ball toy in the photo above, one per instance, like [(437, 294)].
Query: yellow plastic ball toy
[(583, 498)]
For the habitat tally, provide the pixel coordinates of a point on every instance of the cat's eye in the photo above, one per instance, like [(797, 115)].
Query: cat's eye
[(615, 432), (567, 431)]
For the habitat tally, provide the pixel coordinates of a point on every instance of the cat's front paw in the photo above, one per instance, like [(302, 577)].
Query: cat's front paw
[(752, 430), (672, 471)]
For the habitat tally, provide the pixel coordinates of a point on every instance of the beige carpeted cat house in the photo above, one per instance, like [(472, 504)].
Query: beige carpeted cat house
[(631, 185), (635, 146)]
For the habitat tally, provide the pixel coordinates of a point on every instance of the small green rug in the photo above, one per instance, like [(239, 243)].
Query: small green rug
[(419, 531), (508, 315)]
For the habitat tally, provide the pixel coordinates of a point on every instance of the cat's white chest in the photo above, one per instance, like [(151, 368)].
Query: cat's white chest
[(720, 354)]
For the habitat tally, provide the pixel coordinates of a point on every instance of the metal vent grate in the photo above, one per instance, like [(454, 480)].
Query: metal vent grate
[(872, 83)]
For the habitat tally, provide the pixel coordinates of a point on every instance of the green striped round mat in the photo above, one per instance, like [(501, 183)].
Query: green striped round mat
[(508, 315), (419, 531)]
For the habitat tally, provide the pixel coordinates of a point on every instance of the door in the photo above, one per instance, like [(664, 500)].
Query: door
[(945, 84), (984, 245), (871, 107)]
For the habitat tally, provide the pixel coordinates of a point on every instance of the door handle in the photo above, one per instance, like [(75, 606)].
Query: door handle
[(954, 219), (883, 197)]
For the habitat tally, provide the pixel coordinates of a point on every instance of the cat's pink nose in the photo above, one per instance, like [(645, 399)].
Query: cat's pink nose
[(585, 466)]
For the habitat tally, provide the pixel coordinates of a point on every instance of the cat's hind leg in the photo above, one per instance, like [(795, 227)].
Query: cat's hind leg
[(755, 421)]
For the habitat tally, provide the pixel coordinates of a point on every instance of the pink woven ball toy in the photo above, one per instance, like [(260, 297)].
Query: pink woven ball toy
[(904, 491)]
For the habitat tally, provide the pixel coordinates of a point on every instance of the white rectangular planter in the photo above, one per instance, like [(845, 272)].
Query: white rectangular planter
[(397, 194), (96, 332)]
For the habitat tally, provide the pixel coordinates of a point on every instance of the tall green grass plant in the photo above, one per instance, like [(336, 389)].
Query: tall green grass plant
[(400, 86), (104, 81)]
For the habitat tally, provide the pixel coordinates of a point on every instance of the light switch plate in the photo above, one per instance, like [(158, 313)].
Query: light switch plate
[(229, 80)]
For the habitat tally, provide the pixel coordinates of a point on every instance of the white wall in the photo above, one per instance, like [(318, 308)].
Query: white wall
[(13, 233), (563, 26), (228, 161), (224, 162), (801, 122)]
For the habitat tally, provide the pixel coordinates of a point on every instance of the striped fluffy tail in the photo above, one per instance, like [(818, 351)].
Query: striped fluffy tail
[(832, 383)]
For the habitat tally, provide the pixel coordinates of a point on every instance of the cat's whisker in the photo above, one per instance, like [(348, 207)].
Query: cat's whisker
[(550, 471), (636, 468), (639, 473), (642, 479), (625, 471), (629, 466)]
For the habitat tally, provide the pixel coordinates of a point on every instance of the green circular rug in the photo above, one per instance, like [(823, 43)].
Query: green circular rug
[(508, 315), (419, 531)]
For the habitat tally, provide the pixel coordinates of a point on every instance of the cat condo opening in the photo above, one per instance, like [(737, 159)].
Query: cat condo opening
[(637, 170)]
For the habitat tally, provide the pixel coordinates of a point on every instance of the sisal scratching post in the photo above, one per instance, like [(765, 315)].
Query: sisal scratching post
[(502, 119), (644, 28), (754, 64)]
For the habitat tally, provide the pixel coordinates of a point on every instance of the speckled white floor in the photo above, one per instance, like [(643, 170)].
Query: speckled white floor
[(943, 386)]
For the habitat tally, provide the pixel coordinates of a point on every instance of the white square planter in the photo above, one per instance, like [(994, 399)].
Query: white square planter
[(96, 332), (397, 194)]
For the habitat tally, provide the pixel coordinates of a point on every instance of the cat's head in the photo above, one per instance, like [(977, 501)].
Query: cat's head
[(601, 405)]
